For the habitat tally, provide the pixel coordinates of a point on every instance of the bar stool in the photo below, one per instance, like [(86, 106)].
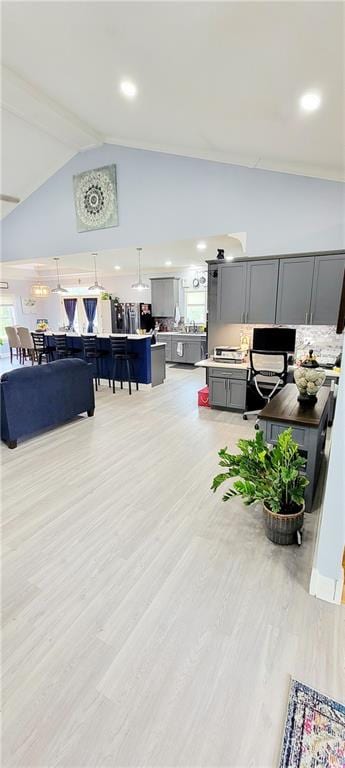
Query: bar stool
[(41, 347), (61, 349), (120, 357), (92, 354)]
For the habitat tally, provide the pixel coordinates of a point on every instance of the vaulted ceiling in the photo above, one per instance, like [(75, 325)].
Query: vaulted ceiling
[(215, 80)]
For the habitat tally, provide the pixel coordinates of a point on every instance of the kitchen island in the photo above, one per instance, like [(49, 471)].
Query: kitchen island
[(149, 363)]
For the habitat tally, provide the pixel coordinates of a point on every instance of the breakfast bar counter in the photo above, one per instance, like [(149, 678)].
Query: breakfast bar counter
[(149, 361)]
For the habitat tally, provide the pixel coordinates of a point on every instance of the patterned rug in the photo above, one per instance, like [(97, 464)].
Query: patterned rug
[(314, 734)]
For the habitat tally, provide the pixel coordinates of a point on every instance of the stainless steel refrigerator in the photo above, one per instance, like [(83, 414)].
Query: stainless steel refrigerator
[(128, 317)]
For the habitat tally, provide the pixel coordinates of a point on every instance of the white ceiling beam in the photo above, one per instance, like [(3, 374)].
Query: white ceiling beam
[(33, 106)]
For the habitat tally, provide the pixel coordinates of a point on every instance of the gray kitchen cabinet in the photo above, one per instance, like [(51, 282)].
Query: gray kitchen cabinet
[(326, 291), (228, 389), (174, 346), (218, 391), (232, 292), (247, 293), (212, 293), (193, 350), (166, 338), (289, 290), (237, 391), (261, 291), (294, 290), (164, 296)]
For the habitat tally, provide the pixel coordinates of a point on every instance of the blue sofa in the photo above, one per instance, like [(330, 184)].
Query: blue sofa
[(44, 396)]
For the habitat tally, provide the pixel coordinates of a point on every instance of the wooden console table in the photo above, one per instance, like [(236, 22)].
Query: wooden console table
[(309, 425)]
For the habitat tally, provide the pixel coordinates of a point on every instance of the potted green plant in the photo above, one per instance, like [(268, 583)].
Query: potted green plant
[(271, 475)]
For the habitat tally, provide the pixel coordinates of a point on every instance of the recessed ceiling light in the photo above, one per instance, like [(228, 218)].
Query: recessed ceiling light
[(117, 267), (128, 89), (310, 101), (229, 258), (201, 246), (168, 263)]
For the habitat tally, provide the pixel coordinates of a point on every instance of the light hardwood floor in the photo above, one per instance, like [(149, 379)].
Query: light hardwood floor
[(146, 623)]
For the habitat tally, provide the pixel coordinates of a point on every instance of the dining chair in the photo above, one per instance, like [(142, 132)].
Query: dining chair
[(26, 343), (13, 342)]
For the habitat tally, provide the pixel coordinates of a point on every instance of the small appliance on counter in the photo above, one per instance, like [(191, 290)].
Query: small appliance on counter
[(229, 355)]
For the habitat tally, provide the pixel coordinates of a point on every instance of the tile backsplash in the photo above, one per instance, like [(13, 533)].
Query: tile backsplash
[(323, 339)]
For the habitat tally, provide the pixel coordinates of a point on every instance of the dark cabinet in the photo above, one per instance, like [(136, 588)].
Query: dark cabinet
[(326, 292)]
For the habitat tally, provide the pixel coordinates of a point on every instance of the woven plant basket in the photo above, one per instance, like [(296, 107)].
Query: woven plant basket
[(282, 529)]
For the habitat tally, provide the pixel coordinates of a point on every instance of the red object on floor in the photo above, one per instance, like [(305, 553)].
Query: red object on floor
[(203, 397)]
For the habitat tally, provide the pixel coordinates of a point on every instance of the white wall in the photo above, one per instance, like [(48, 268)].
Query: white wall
[(166, 198), (327, 575), (20, 289)]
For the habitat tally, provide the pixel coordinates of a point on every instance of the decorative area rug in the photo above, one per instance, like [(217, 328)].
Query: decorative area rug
[(314, 734)]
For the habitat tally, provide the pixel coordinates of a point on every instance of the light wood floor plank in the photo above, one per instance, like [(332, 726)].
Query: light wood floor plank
[(145, 623)]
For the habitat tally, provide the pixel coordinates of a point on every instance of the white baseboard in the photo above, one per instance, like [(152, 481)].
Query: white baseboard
[(325, 588)]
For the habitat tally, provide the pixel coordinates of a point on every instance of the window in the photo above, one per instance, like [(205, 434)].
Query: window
[(196, 306), (80, 319), (6, 318)]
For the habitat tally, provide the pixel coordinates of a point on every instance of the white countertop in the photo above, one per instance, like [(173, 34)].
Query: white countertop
[(131, 336), (182, 333), (209, 363)]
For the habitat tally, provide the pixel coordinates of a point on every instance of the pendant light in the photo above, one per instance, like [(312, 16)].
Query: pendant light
[(39, 290), (59, 288), (96, 287), (140, 285)]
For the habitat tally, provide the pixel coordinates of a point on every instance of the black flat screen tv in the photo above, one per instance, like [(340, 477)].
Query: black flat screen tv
[(274, 339)]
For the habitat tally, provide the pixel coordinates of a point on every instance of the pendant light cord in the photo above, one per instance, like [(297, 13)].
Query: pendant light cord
[(139, 259), (94, 261), (57, 270)]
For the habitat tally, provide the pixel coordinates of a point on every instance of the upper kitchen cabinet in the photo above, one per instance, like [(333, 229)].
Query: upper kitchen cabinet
[(261, 291), (247, 292), (327, 285), (294, 290), (232, 293), (164, 296)]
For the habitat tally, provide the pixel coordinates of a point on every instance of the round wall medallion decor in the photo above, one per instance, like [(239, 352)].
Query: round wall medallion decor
[(95, 196)]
